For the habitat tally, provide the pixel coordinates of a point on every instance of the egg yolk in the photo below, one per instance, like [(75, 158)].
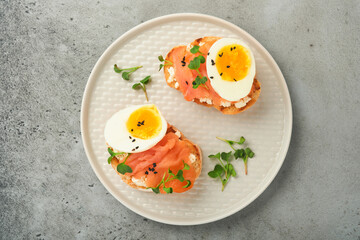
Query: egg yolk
[(233, 62), (144, 123)]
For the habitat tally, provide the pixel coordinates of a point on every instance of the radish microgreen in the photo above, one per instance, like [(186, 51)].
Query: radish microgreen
[(141, 85), (121, 167), (231, 143), (171, 176), (164, 62), (195, 65), (225, 169), (125, 72)]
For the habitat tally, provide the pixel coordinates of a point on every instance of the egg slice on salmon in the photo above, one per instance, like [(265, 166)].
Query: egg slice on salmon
[(230, 66), (135, 129)]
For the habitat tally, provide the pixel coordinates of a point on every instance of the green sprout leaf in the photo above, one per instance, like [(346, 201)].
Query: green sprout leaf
[(188, 184), (242, 140), (156, 190), (161, 58), (232, 170), (251, 155), (213, 174), (186, 166), (202, 59), (110, 158), (136, 86), (161, 66), (123, 168), (168, 190), (199, 81), (194, 64), (239, 153), (146, 80), (219, 170), (117, 69), (226, 156), (215, 156), (195, 49), (179, 174), (126, 75)]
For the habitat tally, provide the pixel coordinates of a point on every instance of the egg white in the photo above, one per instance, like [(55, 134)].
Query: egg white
[(231, 91), (117, 135)]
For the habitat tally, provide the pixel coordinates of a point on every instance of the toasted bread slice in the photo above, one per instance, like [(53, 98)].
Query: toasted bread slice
[(232, 109), (194, 149)]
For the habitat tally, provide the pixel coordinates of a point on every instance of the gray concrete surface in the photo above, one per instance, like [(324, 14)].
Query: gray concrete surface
[(47, 187)]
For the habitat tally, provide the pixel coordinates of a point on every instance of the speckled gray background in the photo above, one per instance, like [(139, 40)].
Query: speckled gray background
[(47, 187)]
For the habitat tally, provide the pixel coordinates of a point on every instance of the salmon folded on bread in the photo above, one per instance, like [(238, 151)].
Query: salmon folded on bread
[(231, 87), (148, 153)]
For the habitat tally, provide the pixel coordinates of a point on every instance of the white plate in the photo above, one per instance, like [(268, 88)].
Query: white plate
[(266, 126)]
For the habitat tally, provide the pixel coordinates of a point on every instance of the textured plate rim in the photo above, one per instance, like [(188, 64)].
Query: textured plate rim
[(182, 16)]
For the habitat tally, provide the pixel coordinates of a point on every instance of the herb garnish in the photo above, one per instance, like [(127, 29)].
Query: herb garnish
[(171, 176), (241, 141), (226, 168), (126, 74), (166, 62), (122, 167), (244, 154), (240, 153), (141, 85), (195, 65)]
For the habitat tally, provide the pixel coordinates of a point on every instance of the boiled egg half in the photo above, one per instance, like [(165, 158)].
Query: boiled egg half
[(230, 67), (135, 129)]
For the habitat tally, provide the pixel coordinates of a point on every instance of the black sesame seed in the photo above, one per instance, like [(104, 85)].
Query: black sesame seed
[(234, 47), (211, 77), (235, 80), (220, 55), (212, 62), (133, 140), (146, 172), (142, 123), (186, 82), (231, 49), (228, 66), (154, 164), (183, 64), (133, 149), (183, 59), (155, 172), (132, 130), (137, 147), (221, 74), (130, 137), (208, 53)]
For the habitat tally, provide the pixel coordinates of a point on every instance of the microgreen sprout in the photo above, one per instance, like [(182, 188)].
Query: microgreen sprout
[(164, 62), (195, 65), (126, 72), (231, 143), (141, 85), (244, 154), (171, 176), (224, 170), (121, 167)]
